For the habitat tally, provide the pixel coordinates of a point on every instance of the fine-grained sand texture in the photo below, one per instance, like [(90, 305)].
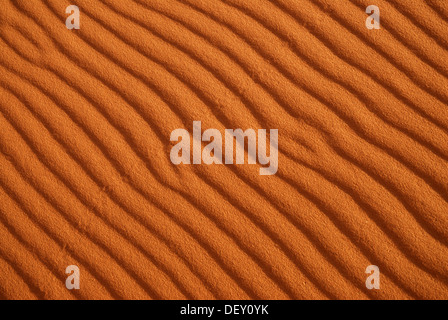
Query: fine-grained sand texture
[(86, 177)]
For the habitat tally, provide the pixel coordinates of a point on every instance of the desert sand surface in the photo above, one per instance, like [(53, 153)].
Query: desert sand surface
[(85, 171)]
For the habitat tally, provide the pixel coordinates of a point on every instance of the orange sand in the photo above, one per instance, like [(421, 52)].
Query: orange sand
[(86, 178)]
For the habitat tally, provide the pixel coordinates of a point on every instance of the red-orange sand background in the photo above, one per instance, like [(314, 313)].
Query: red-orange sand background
[(86, 178)]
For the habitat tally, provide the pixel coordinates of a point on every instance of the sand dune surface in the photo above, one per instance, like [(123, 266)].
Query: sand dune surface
[(86, 177)]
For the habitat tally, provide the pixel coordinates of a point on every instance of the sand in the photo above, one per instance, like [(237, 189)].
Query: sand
[(86, 177)]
